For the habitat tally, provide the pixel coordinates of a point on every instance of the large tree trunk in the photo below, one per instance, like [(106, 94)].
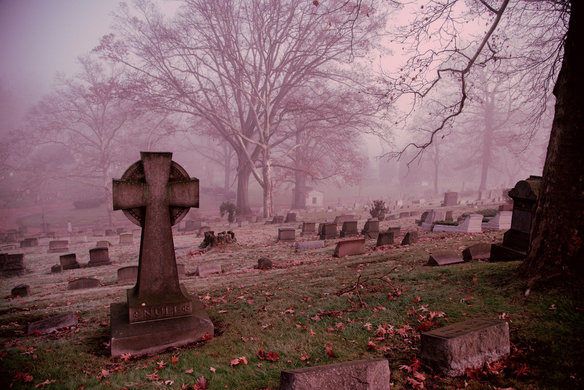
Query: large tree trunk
[(243, 174), (487, 141), (267, 184), (557, 235), (227, 173), (299, 201)]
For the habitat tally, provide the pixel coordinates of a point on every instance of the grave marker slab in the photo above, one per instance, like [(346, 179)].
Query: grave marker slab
[(29, 242), (68, 261), (52, 324), (286, 234), (11, 264), (290, 217), (384, 238), (349, 229), (444, 257), (58, 246), (480, 251), (103, 244), (82, 283), (350, 247), (410, 238), (328, 231), (98, 257), (126, 239), (308, 228), (128, 274), (468, 344), (308, 245), (371, 229), (55, 269), (450, 199), (354, 375), (156, 193), (264, 263)]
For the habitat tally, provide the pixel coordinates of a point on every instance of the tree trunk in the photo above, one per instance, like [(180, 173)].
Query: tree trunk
[(243, 174), (299, 201), (227, 173), (557, 234), (487, 141), (267, 179)]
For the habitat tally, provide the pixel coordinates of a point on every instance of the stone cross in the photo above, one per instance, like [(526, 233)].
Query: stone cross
[(156, 193)]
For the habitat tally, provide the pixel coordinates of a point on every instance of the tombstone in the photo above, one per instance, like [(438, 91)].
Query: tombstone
[(410, 238), (82, 283), (394, 229), (128, 274), (371, 228), (308, 245), (156, 193), (516, 239), (422, 218), (384, 238), (191, 226), (55, 269), (328, 231), (351, 247), (480, 251), (21, 290), (355, 375), (126, 239), (431, 218), (349, 229), (501, 221), (52, 324), (286, 234), (444, 257), (103, 244), (290, 217), (264, 263), (11, 264), (205, 270), (278, 219), (29, 242), (68, 261), (471, 224), (450, 199), (58, 246), (465, 345), (98, 257), (449, 216), (308, 228)]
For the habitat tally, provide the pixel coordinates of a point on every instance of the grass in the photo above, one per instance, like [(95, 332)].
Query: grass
[(297, 310)]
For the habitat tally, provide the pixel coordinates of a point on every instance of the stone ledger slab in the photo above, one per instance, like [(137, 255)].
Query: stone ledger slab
[(52, 324), (480, 251), (468, 344), (354, 375), (350, 247), (82, 283), (446, 257)]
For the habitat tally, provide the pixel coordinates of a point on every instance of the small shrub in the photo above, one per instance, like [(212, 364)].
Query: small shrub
[(378, 210), (229, 209)]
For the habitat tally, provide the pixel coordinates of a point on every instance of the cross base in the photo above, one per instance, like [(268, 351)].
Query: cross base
[(156, 336), (160, 307)]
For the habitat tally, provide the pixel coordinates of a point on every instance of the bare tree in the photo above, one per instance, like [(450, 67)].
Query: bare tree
[(233, 64)]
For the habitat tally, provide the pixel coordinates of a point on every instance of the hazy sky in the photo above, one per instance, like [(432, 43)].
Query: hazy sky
[(41, 37)]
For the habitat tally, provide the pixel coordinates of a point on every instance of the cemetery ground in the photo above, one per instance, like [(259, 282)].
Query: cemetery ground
[(309, 309)]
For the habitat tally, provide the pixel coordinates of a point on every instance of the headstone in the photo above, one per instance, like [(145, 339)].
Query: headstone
[(308, 245), (82, 283), (449, 216), (349, 229), (384, 238), (21, 290), (55, 269), (465, 345), (286, 234), (422, 218), (290, 217), (11, 264), (328, 231), (431, 217), (410, 238), (351, 247), (58, 246), (501, 221), (128, 274), (156, 193), (264, 263), (103, 244), (126, 239), (278, 219), (480, 251), (371, 228), (29, 242), (98, 257), (308, 228), (444, 257), (52, 324), (470, 224), (450, 199), (354, 375), (516, 239), (68, 261), (205, 270)]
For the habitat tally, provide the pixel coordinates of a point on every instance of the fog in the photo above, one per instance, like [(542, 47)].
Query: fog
[(347, 109)]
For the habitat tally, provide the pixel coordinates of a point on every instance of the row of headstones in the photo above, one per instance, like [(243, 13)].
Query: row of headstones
[(63, 245), (98, 256), (472, 223)]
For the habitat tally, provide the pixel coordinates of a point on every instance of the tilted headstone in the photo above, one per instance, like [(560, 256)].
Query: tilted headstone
[(516, 239), (98, 257), (286, 234), (82, 283), (308, 245), (354, 375), (156, 193), (128, 274), (58, 246), (126, 239), (290, 217), (308, 228), (351, 247), (450, 199), (349, 229), (410, 238), (328, 231), (264, 263), (444, 257), (465, 345), (52, 324), (68, 261), (21, 290), (480, 251), (11, 264), (371, 228), (384, 238)]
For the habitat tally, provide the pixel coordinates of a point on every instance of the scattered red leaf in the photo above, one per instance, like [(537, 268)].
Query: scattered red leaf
[(328, 349), (237, 361), (201, 384), (174, 360), (153, 377), (270, 356)]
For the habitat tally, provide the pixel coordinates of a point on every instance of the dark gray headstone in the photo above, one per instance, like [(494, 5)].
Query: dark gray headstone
[(384, 238), (21, 290), (349, 229), (68, 261), (480, 251), (264, 263), (98, 256), (444, 257), (410, 238), (371, 229), (286, 234), (82, 283), (52, 324), (328, 231)]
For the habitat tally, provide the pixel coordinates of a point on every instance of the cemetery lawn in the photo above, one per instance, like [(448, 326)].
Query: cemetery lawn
[(311, 309)]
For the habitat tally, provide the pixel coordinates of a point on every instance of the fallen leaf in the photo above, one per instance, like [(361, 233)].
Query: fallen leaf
[(189, 371), (212, 369), (201, 384), (153, 377), (174, 359), (45, 383), (126, 357), (160, 365), (304, 357), (238, 361), (328, 349)]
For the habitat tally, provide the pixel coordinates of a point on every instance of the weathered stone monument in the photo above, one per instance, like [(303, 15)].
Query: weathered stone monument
[(290, 217), (156, 193), (126, 239), (11, 264), (371, 229), (327, 231), (286, 234), (308, 228), (516, 239), (58, 246), (349, 229), (450, 199), (68, 261), (99, 256)]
